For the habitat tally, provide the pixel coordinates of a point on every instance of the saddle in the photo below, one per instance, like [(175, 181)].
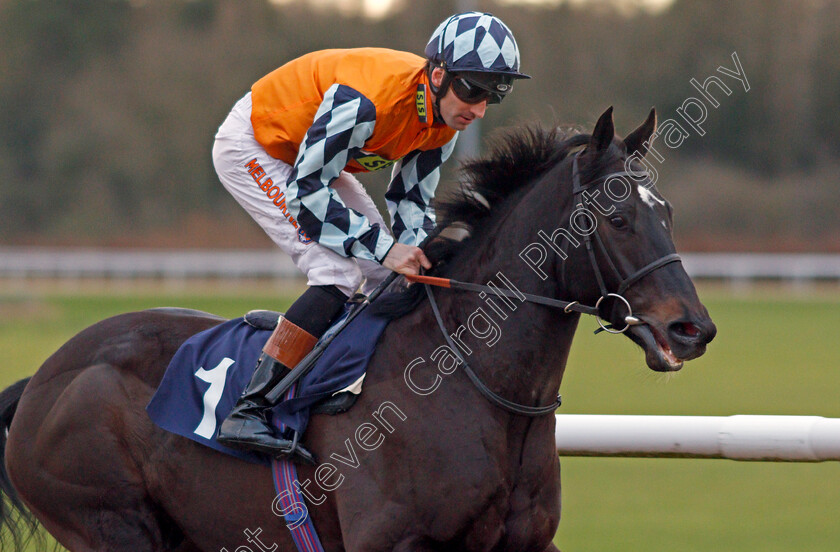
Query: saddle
[(333, 405), (207, 373)]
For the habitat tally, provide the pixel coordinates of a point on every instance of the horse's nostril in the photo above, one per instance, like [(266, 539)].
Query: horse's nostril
[(690, 329), (685, 330)]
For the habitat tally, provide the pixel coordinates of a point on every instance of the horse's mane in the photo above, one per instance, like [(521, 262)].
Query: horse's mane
[(517, 158)]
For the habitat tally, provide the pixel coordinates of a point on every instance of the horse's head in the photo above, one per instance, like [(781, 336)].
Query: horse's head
[(612, 241), (624, 228)]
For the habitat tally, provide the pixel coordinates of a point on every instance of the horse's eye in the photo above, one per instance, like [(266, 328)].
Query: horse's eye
[(618, 221)]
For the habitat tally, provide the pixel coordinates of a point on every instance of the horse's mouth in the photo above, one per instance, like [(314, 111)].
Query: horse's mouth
[(658, 353)]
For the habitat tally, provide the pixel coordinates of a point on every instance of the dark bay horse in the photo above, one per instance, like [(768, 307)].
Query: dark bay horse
[(423, 461)]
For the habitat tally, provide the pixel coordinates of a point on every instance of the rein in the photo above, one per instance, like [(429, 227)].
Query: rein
[(567, 306), (498, 400)]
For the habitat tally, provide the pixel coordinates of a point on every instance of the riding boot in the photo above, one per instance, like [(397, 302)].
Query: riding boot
[(248, 425)]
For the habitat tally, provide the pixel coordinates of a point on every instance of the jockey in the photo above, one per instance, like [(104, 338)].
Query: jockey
[(288, 149)]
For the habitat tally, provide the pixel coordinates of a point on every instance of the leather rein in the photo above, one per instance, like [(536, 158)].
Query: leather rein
[(567, 306)]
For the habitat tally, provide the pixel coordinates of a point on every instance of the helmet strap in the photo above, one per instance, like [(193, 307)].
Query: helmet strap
[(439, 91)]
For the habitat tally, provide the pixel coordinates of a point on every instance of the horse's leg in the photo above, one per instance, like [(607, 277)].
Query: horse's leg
[(88, 490)]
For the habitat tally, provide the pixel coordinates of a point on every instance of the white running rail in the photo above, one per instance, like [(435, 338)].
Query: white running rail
[(25, 262), (741, 437)]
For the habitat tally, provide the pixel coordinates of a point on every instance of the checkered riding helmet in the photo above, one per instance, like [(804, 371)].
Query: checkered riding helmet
[(475, 42)]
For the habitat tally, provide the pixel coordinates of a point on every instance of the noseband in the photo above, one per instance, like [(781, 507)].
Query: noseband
[(568, 306)]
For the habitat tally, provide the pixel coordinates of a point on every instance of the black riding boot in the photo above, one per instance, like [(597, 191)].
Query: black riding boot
[(247, 426)]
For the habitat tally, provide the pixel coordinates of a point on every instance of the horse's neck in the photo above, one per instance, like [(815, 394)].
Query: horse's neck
[(516, 346)]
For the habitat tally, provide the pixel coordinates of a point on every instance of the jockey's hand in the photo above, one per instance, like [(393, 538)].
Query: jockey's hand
[(406, 259)]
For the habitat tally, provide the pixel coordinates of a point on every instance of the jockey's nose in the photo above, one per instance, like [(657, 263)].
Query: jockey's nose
[(479, 109)]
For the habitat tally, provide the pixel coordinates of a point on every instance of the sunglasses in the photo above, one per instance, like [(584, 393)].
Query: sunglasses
[(472, 93)]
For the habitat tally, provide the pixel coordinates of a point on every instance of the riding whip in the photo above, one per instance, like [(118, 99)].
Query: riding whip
[(308, 362)]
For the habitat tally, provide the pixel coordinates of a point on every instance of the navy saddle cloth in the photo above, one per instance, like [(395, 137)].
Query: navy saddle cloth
[(210, 370)]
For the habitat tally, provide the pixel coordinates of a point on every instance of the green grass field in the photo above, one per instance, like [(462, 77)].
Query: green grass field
[(774, 354)]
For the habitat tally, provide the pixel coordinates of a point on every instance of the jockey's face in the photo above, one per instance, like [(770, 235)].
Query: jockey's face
[(456, 113)]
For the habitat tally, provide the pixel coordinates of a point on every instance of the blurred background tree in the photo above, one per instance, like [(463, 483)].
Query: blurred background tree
[(108, 108)]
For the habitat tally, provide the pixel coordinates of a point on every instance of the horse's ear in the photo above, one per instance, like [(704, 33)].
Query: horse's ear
[(604, 132), (639, 140)]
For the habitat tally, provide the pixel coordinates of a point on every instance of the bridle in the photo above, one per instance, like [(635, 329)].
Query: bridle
[(625, 282)]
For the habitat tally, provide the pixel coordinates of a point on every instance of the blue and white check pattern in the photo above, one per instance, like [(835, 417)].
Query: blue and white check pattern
[(474, 41), (409, 197), (343, 122)]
